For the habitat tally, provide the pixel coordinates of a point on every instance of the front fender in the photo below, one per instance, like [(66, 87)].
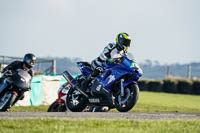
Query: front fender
[(126, 83)]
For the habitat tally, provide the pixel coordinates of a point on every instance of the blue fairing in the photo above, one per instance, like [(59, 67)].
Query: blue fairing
[(84, 68), (114, 72)]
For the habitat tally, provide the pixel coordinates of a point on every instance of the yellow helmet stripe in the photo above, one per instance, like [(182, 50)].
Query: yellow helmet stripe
[(125, 36), (126, 48)]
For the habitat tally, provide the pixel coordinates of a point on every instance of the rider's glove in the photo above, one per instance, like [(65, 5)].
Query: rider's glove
[(100, 69), (110, 60)]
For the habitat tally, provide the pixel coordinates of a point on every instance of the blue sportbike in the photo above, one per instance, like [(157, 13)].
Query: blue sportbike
[(116, 87)]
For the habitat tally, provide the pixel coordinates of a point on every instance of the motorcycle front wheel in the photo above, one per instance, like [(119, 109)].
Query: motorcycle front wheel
[(7, 101), (128, 101)]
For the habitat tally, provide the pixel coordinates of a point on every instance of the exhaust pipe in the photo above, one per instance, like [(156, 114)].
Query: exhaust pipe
[(68, 76)]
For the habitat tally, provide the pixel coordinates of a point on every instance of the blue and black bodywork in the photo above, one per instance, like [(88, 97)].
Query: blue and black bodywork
[(114, 72), (119, 80)]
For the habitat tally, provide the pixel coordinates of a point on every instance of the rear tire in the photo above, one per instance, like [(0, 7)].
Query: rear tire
[(57, 107), (131, 101), (7, 101), (76, 102)]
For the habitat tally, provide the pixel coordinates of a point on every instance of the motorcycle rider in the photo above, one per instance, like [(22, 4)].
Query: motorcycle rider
[(111, 52), (27, 64)]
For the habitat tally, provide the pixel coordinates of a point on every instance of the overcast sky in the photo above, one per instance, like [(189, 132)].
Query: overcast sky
[(163, 30)]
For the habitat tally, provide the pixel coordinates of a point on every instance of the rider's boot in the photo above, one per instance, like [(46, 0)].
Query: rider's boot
[(84, 84)]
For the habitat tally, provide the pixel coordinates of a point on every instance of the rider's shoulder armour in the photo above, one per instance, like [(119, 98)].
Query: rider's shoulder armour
[(111, 46)]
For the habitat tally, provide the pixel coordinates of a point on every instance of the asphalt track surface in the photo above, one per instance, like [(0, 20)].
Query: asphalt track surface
[(109, 115)]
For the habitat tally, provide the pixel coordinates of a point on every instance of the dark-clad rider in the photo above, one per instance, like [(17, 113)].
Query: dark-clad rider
[(27, 64)]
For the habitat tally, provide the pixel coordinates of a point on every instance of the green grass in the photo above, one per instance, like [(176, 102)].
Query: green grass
[(148, 102), (53, 125), (42, 108), (165, 102)]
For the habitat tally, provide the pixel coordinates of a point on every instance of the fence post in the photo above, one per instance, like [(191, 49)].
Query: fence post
[(38, 67), (54, 66), (3, 60), (188, 71), (168, 71)]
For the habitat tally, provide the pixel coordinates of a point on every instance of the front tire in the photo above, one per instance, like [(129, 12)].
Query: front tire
[(128, 101), (7, 101), (57, 107), (76, 102)]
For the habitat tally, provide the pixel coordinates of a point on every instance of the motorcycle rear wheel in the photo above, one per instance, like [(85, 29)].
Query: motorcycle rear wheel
[(76, 102), (126, 103), (57, 107)]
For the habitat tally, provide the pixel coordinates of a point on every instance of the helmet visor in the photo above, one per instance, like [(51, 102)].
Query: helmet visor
[(32, 63), (127, 42)]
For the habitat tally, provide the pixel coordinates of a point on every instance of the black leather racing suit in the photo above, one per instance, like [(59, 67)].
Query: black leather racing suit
[(16, 65)]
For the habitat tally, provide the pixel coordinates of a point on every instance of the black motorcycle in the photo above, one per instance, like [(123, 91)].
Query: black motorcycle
[(12, 88)]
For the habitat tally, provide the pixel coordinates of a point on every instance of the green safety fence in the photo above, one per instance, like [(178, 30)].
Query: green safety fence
[(63, 80), (36, 91)]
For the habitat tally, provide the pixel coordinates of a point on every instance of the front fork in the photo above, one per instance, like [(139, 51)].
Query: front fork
[(122, 87), (123, 98), (3, 85)]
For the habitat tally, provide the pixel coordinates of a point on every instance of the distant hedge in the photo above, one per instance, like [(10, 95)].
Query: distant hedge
[(181, 86), (170, 86), (155, 85), (196, 87), (143, 84), (185, 86)]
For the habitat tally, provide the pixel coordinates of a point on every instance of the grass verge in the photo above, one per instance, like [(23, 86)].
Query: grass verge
[(165, 102), (53, 125), (41, 108)]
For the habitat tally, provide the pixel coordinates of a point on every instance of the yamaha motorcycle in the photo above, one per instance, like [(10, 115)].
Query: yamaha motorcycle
[(119, 80), (59, 105), (12, 88)]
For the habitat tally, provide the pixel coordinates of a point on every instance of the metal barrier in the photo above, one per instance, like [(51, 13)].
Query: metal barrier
[(51, 69)]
